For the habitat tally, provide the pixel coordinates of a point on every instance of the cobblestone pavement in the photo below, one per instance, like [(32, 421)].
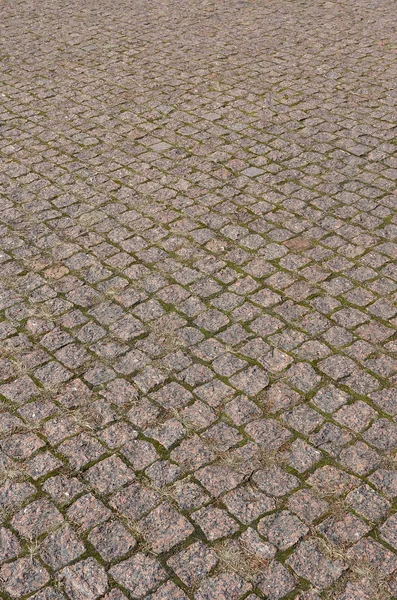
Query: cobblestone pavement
[(198, 300)]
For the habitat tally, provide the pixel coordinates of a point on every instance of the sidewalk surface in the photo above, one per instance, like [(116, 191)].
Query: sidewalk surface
[(198, 350)]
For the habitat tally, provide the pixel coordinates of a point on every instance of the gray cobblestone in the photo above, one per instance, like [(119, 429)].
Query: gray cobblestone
[(198, 290)]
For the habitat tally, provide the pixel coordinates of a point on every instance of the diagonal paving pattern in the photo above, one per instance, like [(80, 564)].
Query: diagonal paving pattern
[(198, 300)]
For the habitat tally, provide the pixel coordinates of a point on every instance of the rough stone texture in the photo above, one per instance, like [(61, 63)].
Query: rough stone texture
[(164, 527), (23, 576), (61, 547), (194, 563), (112, 540), (139, 574), (198, 300), (85, 580)]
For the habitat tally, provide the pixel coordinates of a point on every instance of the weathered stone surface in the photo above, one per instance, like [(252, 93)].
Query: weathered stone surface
[(84, 580), (22, 577), (198, 300), (139, 574), (309, 562), (164, 527)]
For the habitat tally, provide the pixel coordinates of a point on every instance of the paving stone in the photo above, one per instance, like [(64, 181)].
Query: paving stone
[(88, 511), (310, 595), (382, 435), (168, 591), (135, 501), (218, 479), (164, 527), (193, 564), (63, 489), (198, 299), (280, 397), (52, 374), (359, 458), (196, 375), (303, 419), (73, 356), (331, 438), (214, 393), (130, 363), (343, 531), (303, 456), (247, 504), (9, 546), (172, 396), (282, 529), (269, 433), (309, 562), (22, 577), (59, 428), (388, 531), (140, 454), (222, 437), (139, 574), (198, 415), (168, 433), (369, 553), (337, 367), (109, 474), (250, 381), (143, 414), (13, 494), (241, 410), (37, 410), (21, 445), (275, 481), (277, 581), (256, 546), (118, 434), (48, 593), (163, 473), (189, 495), (215, 522), (303, 377), (362, 591), (386, 481), (356, 416), (192, 454), (227, 365), (81, 450), (330, 480), (20, 390), (37, 518), (212, 320), (330, 398), (307, 506), (368, 503), (115, 594), (86, 579), (112, 540), (61, 547), (99, 374), (222, 587)]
